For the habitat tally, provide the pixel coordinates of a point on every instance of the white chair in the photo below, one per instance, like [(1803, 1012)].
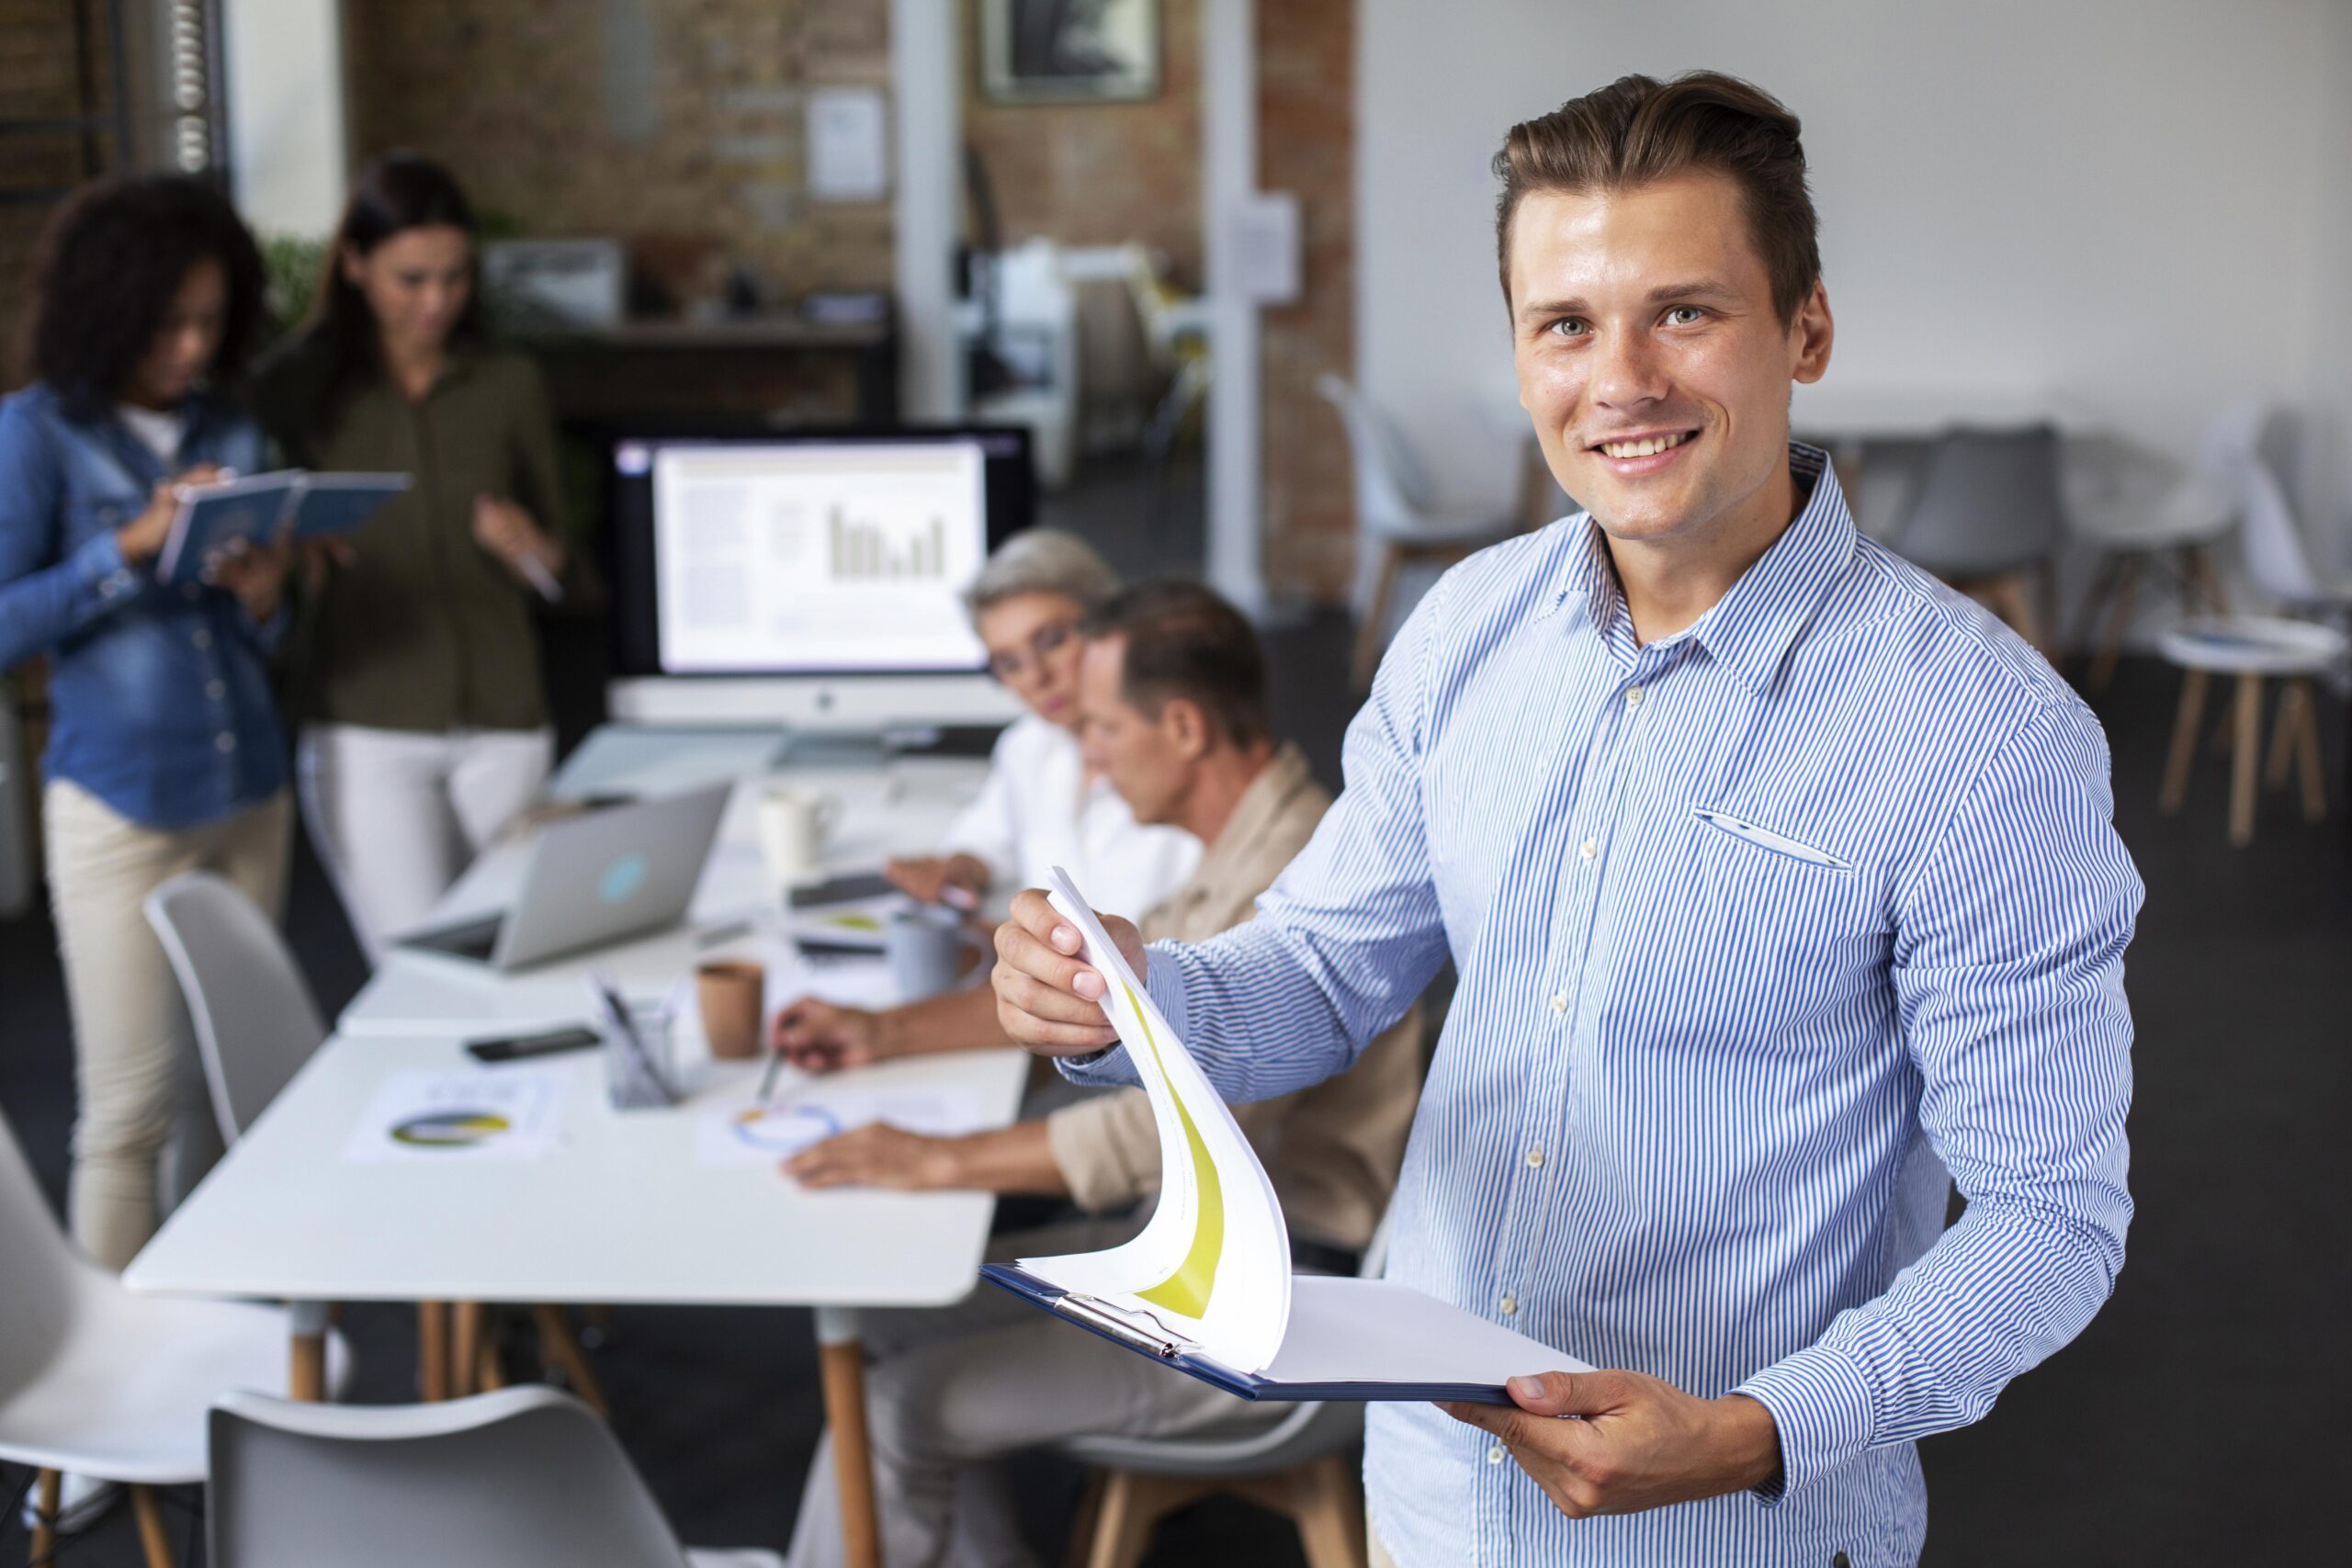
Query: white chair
[(1302, 1467), (1395, 524), (2143, 513), (522, 1478), (1988, 519), (2254, 648), (257, 1024), (104, 1383)]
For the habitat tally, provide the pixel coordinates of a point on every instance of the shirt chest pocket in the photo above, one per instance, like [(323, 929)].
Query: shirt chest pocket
[(1796, 921)]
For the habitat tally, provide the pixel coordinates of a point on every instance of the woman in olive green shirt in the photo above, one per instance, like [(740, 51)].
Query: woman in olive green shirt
[(415, 664)]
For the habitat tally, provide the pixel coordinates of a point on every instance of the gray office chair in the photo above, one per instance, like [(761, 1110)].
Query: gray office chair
[(255, 1020), (1302, 1467), (522, 1478), (1989, 515)]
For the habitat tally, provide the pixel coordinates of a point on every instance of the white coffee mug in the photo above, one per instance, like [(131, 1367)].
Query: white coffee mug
[(794, 823)]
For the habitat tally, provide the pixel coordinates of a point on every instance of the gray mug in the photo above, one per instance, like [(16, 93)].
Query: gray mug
[(925, 947)]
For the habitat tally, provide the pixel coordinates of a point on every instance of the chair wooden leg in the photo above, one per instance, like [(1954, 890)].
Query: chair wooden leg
[(464, 1347), (560, 1346), (50, 1486), (2200, 581), (2242, 765), (1376, 619), (2307, 748), (2119, 620), (152, 1539), (1133, 1506), (1083, 1519), (432, 1351), (2283, 730), (2184, 743), (1324, 1502), (490, 1373), (306, 1371)]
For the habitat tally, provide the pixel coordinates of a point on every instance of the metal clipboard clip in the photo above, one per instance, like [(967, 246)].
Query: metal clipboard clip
[(1127, 1324)]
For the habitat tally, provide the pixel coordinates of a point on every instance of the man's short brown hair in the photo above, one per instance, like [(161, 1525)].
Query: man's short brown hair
[(1638, 130), (1182, 640)]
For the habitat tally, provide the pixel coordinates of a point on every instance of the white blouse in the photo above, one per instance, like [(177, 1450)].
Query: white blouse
[(1031, 815)]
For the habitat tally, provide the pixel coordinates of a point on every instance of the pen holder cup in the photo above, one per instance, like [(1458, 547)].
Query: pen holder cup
[(639, 1070)]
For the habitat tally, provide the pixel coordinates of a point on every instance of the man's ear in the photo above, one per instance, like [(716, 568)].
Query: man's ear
[(1810, 335), (1187, 728)]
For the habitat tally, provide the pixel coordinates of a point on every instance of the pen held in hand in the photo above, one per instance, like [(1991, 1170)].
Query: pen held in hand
[(541, 579)]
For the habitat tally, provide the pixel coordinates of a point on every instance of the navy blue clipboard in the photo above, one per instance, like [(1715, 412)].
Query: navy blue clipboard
[(1177, 1354)]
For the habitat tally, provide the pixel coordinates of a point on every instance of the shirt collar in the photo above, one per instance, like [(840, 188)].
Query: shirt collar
[(1751, 628)]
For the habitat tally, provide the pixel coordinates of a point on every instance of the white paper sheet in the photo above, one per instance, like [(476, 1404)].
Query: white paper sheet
[(1213, 1265), (810, 1111), (507, 1115), (1371, 1331)]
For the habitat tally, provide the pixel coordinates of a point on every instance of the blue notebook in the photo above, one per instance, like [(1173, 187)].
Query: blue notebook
[(1349, 1341), (257, 510)]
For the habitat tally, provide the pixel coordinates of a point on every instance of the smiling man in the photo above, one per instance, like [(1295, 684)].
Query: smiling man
[(1783, 892)]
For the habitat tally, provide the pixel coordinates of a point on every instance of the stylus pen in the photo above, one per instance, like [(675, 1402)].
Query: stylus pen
[(542, 579), (767, 1079)]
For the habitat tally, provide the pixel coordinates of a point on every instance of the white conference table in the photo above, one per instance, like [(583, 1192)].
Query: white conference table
[(621, 1210)]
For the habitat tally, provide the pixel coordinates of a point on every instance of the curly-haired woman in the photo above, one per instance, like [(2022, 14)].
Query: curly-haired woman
[(164, 754)]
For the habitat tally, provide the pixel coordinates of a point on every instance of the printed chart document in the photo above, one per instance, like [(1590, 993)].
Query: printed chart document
[(807, 1113), (508, 1115), (1207, 1286)]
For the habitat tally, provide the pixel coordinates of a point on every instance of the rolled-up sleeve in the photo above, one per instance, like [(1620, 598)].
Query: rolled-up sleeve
[(1107, 1149), (2008, 971)]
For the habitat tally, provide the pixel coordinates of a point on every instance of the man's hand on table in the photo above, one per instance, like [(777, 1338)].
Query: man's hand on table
[(879, 1154), (1641, 1443), (1050, 1002), (817, 1037)]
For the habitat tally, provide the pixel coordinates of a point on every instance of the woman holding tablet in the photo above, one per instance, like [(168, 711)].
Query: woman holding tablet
[(417, 686), (164, 751)]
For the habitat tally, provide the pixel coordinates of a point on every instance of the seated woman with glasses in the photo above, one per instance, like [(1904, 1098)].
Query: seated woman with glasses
[(1040, 807)]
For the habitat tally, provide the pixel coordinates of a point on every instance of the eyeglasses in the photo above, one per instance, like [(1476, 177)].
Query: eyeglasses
[(1043, 642)]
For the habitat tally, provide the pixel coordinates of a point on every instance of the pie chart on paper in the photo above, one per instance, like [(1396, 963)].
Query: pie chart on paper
[(783, 1129), (451, 1129)]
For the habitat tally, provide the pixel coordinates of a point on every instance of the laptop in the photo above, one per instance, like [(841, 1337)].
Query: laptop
[(593, 880)]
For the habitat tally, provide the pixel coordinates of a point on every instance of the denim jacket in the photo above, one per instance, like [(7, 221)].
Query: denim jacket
[(161, 695)]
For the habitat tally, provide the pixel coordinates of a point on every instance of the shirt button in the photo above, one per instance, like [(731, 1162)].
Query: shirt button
[(216, 690), (201, 638), (1495, 1454), (1535, 1159), (1509, 1307), (1589, 848), (1632, 696), (1559, 1004), (224, 741)]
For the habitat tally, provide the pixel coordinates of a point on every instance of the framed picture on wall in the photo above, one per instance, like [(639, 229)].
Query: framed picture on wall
[(1040, 51)]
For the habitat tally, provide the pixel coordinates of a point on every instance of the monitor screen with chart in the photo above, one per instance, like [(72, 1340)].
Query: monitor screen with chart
[(816, 555)]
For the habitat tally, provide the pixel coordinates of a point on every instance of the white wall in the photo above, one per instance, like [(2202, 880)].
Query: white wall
[(2116, 204), (286, 135)]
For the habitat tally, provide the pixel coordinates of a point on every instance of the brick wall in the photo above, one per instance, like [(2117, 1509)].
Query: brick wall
[(38, 81), (1307, 146), (680, 119)]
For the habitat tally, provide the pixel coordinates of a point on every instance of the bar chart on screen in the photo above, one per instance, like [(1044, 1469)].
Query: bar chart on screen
[(817, 556)]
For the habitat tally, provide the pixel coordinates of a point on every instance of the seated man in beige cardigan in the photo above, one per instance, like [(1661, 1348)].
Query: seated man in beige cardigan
[(1173, 689)]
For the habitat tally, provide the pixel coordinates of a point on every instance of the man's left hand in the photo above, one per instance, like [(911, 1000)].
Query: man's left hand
[(877, 1154), (1641, 1444)]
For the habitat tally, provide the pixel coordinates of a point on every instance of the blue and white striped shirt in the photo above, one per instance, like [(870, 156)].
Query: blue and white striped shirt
[(1762, 929)]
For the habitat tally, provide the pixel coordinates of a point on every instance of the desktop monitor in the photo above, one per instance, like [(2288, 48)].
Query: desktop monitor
[(813, 579)]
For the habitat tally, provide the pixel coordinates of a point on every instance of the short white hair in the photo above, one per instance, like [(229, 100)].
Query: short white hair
[(1042, 560)]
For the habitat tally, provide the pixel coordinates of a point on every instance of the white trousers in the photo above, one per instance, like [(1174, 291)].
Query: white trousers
[(140, 1090), (398, 815)]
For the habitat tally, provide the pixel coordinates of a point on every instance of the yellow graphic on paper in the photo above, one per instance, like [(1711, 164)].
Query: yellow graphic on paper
[(1187, 1290)]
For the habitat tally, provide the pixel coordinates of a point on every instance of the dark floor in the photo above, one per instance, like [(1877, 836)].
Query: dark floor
[(2197, 1421)]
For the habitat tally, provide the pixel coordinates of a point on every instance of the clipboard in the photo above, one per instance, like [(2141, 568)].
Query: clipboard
[(1206, 1288), (1469, 1366)]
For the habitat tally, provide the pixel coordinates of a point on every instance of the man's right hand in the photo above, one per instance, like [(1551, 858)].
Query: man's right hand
[(1048, 1001), (817, 1037), (955, 880), (140, 540)]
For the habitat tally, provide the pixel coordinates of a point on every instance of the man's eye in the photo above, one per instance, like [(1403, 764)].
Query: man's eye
[(1684, 315), (1569, 326)]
